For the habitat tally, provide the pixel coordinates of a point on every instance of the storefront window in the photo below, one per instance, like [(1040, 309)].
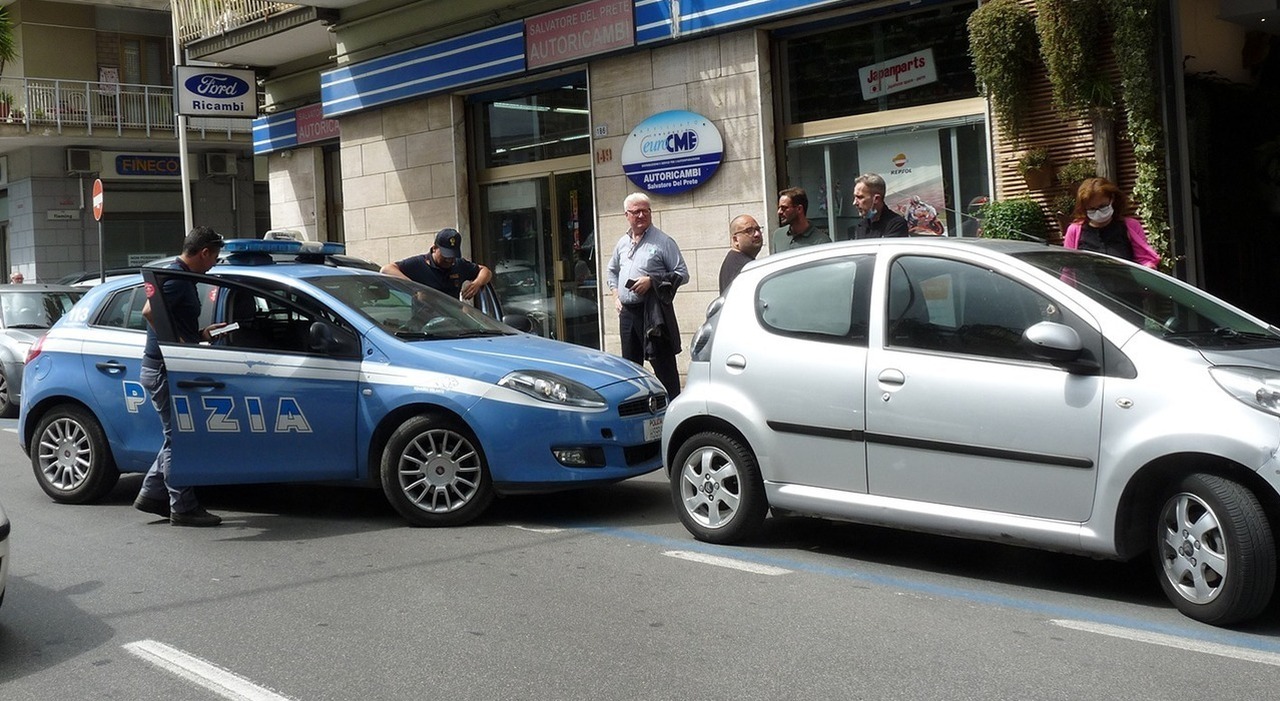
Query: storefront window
[(827, 74), (895, 96), (936, 175), (552, 122)]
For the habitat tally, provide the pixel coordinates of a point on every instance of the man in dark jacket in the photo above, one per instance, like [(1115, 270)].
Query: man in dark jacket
[(878, 220)]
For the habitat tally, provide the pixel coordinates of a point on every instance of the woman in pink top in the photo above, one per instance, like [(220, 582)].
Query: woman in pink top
[(1099, 226)]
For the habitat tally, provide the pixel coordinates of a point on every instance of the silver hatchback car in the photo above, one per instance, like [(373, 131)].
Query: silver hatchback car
[(994, 390)]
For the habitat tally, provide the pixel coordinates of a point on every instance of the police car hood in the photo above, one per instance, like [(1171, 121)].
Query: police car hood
[(491, 358)]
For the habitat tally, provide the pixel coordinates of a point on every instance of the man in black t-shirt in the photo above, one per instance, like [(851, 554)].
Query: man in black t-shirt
[(442, 268), (182, 301)]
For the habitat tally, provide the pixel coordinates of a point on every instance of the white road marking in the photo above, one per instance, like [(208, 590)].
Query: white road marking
[(206, 674), (535, 529), (727, 562), (1142, 636)]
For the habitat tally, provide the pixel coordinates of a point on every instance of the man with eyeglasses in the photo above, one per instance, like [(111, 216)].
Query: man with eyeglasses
[(746, 238), (643, 273), (797, 230)]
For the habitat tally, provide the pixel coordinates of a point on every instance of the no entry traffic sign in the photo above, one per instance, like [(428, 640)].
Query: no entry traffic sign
[(97, 200)]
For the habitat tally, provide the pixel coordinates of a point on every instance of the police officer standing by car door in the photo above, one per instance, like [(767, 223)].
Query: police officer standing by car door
[(199, 254), (644, 271), (443, 268)]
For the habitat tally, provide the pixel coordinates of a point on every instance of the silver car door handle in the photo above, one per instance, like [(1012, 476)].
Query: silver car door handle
[(110, 366), (892, 377)]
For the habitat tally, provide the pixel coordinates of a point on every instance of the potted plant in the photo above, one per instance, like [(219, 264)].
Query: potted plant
[(1076, 171), (6, 103), (1035, 167), (1019, 218), (1002, 43)]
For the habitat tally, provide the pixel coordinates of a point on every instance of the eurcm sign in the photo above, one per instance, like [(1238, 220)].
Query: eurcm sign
[(204, 91)]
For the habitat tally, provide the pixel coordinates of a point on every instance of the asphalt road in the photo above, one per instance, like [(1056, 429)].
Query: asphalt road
[(311, 593)]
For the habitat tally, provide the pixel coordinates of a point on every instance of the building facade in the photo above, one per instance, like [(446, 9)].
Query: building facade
[(390, 121)]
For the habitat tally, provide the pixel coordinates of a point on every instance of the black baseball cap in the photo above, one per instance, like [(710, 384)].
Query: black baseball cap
[(448, 241)]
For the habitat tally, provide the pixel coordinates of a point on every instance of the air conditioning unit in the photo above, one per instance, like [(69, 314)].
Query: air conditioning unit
[(83, 160), (220, 164)]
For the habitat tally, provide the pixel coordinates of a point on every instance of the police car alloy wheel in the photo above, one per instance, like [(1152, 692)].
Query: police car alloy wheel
[(70, 457), (434, 473), (1215, 550), (717, 488)]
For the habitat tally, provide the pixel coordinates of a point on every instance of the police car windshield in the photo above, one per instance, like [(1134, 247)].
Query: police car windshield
[(408, 310)]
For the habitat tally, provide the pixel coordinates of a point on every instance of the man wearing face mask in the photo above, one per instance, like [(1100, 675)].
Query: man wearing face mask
[(1098, 227), (878, 220)]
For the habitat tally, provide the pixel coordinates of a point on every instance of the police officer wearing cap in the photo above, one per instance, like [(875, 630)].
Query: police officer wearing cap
[(442, 268)]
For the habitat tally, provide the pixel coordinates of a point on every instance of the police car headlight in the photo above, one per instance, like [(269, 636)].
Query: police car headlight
[(1256, 387), (550, 387)]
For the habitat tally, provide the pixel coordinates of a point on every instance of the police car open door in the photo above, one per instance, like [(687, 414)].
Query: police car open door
[(272, 399)]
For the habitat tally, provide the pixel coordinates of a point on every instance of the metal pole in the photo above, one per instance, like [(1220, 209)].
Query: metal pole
[(184, 168)]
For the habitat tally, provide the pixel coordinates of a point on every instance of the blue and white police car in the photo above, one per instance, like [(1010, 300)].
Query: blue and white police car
[(332, 373)]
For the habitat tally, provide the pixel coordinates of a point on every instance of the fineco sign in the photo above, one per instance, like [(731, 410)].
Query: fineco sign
[(216, 92), (671, 152)]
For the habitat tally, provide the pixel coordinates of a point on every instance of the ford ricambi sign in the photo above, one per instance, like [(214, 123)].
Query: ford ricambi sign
[(216, 92)]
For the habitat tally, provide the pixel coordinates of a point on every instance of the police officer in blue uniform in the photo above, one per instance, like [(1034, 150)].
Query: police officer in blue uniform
[(443, 268), (199, 254)]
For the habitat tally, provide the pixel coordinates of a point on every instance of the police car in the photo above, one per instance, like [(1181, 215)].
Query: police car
[(331, 373)]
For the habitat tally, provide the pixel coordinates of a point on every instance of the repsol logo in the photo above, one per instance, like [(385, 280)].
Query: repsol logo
[(666, 144), (217, 85)]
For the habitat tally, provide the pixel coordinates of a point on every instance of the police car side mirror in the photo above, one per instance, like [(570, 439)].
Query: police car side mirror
[(519, 322), (321, 338)]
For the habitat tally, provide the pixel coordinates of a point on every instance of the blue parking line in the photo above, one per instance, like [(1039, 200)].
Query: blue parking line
[(1193, 630)]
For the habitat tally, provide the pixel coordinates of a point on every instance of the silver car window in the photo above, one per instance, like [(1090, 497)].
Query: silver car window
[(827, 300), (950, 306)]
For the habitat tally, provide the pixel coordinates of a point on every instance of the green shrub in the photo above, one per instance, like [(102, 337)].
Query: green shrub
[(1019, 218)]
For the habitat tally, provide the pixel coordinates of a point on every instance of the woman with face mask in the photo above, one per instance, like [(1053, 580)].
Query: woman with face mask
[(1100, 226)]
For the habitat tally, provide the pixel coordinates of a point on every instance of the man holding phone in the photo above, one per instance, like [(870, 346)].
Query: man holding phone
[(644, 271)]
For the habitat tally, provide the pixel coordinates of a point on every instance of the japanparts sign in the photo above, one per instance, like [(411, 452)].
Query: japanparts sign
[(579, 31), (671, 152), (216, 92), (898, 74)]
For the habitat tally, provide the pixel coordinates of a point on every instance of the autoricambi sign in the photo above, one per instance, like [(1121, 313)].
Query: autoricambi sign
[(672, 151)]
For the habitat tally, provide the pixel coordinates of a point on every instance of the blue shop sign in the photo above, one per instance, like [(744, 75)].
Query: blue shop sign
[(672, 152)]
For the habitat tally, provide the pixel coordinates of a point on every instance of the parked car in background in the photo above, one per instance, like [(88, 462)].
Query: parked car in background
[(332, 374), (27, 311), (1004, 391)]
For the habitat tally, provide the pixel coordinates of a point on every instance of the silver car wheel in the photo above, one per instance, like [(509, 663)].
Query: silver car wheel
[(1194, 549), (1214, 549), (439, 471), (65, 454), (710, 487)]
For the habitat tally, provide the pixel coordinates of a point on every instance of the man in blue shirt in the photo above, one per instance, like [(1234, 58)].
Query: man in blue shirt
[(443, 268), (644, 271), (182, 300)]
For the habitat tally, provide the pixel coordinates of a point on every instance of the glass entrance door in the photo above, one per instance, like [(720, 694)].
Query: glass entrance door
[(538, 237)]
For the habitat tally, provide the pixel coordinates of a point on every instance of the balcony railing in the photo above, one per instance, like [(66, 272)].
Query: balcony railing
[(91, 107), (201, 19)]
